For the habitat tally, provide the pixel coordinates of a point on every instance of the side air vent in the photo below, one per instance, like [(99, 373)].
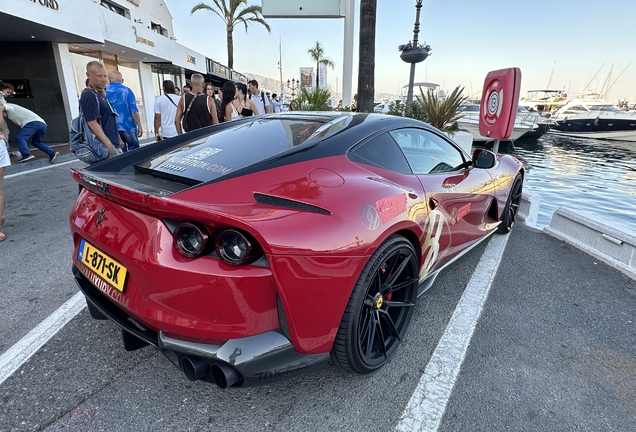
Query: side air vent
[(290, 204)]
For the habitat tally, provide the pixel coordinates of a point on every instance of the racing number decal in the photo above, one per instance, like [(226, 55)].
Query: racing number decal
[(431, 246), (370, 217)]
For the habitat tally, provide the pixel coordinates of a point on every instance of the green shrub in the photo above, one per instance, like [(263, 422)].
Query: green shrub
[(428, 108), (311, 99)]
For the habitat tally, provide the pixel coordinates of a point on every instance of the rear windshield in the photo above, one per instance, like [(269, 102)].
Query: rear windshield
[(231, 149)]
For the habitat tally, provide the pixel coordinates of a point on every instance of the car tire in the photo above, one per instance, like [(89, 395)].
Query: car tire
[(511, 209), (379, 309)]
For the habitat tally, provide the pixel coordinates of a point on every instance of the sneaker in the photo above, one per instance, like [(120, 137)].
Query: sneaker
[(53, 157), (27, 158), (16, 154)]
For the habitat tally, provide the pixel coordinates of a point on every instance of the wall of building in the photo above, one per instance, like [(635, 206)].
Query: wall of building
[(36, 62)]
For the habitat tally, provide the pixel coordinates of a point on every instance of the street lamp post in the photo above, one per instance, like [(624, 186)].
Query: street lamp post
[(414, 59), (293, 85)]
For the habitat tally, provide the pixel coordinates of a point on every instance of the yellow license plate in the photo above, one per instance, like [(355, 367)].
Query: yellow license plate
[(104, 266)]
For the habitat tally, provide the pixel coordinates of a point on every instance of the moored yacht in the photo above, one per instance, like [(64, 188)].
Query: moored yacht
[(543, 124), (594, 119), (544, 101), (469, 121)]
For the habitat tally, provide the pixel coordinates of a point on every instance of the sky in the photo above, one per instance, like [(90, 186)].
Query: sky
[(558, 44)]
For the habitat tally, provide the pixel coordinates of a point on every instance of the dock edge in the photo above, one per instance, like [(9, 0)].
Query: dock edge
[(609, 244)]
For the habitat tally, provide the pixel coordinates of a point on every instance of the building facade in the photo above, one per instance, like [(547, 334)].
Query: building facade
[(47, 43)]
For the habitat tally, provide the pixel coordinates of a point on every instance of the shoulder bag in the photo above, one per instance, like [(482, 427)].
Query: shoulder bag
[(185, 116), (83, 143)]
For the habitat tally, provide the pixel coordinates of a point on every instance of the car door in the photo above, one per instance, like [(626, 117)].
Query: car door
[(458, 196)]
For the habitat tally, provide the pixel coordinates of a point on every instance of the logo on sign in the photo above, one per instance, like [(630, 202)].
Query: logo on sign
[(51, 4), (495, 103), (142, 39)]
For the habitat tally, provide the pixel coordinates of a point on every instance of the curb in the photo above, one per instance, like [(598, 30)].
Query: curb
[(587, 232), (529, 208)]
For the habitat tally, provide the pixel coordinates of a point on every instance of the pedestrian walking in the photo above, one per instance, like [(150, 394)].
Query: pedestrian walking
[(31, 126), (228, 111), (166, 111), (5, 161), (276, 104), (6, 90), (242, 104), (98, 113), (122, 99), (196, 109), (258, 97)]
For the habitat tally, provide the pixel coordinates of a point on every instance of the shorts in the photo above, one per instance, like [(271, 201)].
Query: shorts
[(5, 161)]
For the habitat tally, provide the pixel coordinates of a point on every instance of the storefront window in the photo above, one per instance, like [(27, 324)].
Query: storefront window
[(161, 73), (129, 69)]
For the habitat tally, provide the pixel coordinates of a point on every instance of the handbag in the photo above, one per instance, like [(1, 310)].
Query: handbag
[(84, 144)]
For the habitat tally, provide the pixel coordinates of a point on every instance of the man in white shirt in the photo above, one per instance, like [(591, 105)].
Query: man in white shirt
[(259, 98), (165, 112), (31, 125)]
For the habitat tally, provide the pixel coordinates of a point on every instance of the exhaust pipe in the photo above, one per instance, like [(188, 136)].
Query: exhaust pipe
[(194, 368), (224, 375)]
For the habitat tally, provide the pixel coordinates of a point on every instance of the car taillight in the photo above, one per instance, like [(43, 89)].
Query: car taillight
[(191, 240), (235, 248)]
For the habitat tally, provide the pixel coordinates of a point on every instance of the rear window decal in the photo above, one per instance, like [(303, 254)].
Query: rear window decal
[(204, 153)]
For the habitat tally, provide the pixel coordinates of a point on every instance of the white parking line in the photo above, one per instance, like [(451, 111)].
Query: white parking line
[(40, 169), (426, 408), (22, 351)]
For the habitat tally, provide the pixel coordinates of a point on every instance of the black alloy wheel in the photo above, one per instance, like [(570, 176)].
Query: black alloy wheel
[(512, 206), (379, 309)]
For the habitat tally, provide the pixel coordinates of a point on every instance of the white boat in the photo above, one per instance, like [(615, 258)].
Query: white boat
[(544, 101), (384, 107), (594, 118), (469, 121)]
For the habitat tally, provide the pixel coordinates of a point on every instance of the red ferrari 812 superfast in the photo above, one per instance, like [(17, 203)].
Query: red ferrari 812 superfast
[(257, 249)]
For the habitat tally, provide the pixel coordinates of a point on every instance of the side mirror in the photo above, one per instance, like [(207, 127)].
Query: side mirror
[(484, 159)]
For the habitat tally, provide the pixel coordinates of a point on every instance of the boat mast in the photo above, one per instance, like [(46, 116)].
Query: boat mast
[(593, 78), (612, 85), (552, 73), (606, 83)]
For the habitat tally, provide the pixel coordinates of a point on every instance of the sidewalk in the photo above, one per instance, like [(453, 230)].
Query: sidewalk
[(42, 160)]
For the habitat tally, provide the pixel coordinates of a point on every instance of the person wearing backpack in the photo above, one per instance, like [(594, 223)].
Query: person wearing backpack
[(165, 112), (98, 113), (260, 99)]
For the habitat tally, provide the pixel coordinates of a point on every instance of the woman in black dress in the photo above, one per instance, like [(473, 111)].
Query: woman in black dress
[(244, 106)]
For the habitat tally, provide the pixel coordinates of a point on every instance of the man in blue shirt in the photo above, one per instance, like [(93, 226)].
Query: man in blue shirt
[(99, 115), (123, 100)]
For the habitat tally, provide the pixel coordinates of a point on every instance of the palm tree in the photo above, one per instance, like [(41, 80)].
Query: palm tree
[(317, 54), (442, 114), (235, 13), (366, 64)]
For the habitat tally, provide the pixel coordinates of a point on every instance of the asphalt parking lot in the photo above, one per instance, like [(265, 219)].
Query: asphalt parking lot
[(554, 348)]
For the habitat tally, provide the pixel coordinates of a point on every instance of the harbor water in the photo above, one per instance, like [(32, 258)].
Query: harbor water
[(590, 176)]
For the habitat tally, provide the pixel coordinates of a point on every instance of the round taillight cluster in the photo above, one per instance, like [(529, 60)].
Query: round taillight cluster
[(191, 240), (232, 246)]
